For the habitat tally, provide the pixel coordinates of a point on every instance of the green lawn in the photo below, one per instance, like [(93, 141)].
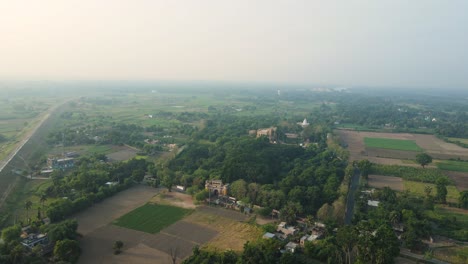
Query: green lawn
[(452, 165), (151, 218), (387, 143)]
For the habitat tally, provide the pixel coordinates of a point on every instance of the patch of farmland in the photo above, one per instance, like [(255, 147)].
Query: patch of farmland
[(430, 144), (379, 182), (460, 179), (232, 234), (418, 188), (122, 153), (151, 218), (452, 165), (389, 143)]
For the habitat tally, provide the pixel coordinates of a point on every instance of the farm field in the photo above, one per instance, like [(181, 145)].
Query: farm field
[(430, 144), (459, 178), (416, 188), (452, 165), (210, 227), (379, 181), (388, 143), (461, 140), (232, 233), (151, 218)]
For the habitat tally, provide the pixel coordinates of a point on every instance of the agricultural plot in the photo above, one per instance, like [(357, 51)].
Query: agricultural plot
[(379, 182), (151, 218), (452, 165), (437, 148), (416, 188), (388, 143), (459, 178)]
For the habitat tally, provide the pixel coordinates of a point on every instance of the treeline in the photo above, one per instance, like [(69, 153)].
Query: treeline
[(87, 185), (62, 240)]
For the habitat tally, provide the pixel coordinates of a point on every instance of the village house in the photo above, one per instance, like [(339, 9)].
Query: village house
[(33, 240), (268, 235), (285, 229), (291, 247), (61, 164)]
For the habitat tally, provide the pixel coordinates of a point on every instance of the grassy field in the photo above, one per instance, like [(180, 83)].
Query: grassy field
[(462, 140), (452, 165), (151, 218), (232, 233), (387, 143), (417, 188)]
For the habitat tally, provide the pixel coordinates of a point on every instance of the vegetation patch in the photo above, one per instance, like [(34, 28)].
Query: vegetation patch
[(151, 218), (428, 175), (418, 188), (452, 165), (449, 222), (389, 143)]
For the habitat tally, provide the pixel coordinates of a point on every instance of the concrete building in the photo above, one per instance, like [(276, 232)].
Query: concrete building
[(216, 187)]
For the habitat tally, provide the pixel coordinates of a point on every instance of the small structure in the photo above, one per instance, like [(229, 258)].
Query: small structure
[(304, 123), (268, 235), (109, 184), (373, 203), (61, 164), (285, 229), (270, 133), (33, 240), (216, 187), (291, 247)]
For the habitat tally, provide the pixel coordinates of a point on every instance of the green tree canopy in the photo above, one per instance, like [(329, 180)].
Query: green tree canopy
[(67, 250), (423, 159), (11, 233)]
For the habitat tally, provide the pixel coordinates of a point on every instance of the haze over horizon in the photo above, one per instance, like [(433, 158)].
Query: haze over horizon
[(369, 43)]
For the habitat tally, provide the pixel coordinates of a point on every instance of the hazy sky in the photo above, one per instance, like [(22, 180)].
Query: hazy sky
[(375, 42)]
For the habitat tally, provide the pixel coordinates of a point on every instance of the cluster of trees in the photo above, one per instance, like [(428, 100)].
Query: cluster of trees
[(402, 210), (451, 119), (87, 184), (276, 176), (62, 237)]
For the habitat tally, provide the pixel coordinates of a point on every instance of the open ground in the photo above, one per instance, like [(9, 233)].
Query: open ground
[(206, 226), (432, 145)]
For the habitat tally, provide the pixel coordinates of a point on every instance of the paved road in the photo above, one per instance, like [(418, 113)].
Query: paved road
[(350, 199)]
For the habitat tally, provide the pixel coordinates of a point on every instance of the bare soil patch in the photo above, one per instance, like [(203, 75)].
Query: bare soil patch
[(460, 179), (432, 145), (122, 153), (379, 181), (174, 198)]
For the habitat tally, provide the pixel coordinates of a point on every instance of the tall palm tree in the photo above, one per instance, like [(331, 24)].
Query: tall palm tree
[(43, 199), (27, 206)]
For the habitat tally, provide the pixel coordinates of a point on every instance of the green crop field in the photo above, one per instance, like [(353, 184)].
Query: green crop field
[(452, 165), (151, 218), (396, 144)]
